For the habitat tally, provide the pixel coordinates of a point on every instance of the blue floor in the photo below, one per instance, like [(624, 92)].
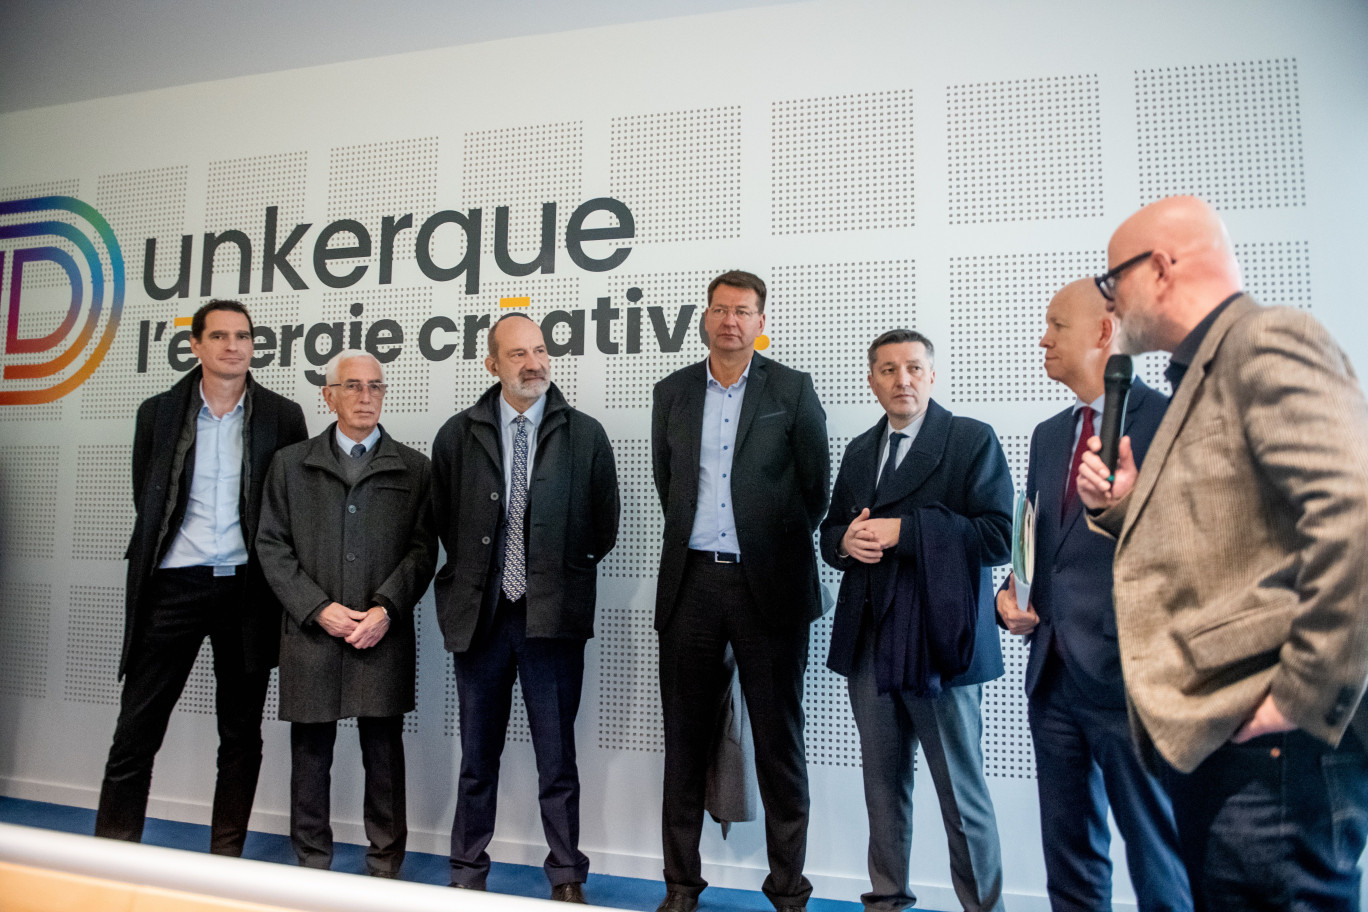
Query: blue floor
[(515, 880)]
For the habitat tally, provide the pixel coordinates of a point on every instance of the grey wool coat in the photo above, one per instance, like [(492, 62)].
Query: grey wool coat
[(371, 543)]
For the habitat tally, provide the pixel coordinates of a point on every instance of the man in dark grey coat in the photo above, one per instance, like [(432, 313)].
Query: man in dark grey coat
[(526, 499), (347, 543)]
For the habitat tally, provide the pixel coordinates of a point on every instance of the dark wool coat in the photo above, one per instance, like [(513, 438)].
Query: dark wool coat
[(163, 465), (572, 519), (370, 543)]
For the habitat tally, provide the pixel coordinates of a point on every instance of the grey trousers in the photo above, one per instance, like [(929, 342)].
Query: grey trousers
[(949, 729)]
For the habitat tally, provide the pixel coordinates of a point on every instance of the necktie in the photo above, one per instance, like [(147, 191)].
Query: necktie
[(1071, 484), (515, 546), (890, 463), (358, 450)]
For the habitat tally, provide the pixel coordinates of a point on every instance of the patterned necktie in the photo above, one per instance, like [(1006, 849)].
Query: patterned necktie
[(1071, 483), (891, 463), (515, 546), (358, 450)]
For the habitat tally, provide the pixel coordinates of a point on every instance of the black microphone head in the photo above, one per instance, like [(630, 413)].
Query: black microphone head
[(1120, 370)]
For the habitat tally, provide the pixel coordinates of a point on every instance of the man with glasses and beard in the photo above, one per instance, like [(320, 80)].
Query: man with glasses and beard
[(526, 499)]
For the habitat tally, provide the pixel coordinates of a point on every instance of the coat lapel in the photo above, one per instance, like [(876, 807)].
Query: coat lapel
[(1052, 474), (750, 404), (1178, 409), (921, 460), (695, 390)]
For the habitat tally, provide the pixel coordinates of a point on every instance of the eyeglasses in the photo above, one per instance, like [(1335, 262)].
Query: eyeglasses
[(354, 388), (1106, 282), (741, 313)]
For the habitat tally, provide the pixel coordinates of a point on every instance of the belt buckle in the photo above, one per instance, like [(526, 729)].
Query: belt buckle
[(726, 557)]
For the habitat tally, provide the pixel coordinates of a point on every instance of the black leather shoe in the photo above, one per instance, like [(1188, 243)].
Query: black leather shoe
[(568, 892), (468, 887), (675, 901), (790, 909)]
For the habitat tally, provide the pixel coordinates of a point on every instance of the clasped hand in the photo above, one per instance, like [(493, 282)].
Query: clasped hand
[(362, 629), (867, 539)]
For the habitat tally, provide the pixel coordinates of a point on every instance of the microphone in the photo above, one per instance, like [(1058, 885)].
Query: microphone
[(1117, 381)]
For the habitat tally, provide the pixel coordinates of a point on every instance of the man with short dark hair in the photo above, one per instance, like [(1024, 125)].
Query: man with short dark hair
[(739, 572), (920, 513), (200, 455), (1076, 699), (348, 545), (526, 500), (1241, 570)]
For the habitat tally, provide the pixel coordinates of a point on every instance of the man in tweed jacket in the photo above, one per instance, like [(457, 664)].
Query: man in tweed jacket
[(1241, 570)]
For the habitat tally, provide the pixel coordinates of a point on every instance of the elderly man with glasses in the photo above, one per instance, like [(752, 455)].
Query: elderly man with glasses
[(348, 544)]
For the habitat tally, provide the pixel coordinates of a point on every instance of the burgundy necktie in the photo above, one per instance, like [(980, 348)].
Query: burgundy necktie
[(1071, 485)]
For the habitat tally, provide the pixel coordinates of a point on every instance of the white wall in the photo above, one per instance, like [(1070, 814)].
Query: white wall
[(880, 163)]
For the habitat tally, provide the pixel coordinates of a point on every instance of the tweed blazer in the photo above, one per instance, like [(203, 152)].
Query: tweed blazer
[(1242, 550)]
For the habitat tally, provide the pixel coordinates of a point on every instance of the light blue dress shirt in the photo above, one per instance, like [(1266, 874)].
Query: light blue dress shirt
[(211, 533), (345, 443), (904, 446), (714, 527), (507, 415)]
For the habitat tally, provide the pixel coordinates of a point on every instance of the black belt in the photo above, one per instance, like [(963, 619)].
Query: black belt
[(717, 557)]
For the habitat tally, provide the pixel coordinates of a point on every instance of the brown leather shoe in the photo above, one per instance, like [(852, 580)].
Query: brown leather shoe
[(675, 901), (568, 892)]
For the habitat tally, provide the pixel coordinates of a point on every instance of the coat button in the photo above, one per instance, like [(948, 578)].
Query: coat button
[(485, 540), (351, 508), (493, 495), (351, 556)]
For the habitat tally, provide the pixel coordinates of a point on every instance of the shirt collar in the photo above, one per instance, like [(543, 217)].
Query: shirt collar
[(508, 413), (235, 410), (1096, 405), (1187, 349), (345, 443), (714, 382), (911, 430)]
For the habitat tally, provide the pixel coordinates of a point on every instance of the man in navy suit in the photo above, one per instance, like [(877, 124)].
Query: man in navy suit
[(1077, 705), (920, 514)]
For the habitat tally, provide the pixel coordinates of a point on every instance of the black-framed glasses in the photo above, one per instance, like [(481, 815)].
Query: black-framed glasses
[(1106, 282), (354, 388)]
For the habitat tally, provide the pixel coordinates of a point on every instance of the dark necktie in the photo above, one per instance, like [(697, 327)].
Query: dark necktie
[(358, 450), (890, 463), (515, 545), (1071, 483)]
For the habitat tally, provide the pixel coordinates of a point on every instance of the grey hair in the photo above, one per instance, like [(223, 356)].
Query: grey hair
[(346, 354)]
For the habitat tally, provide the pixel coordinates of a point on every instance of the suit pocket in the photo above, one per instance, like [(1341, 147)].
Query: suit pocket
[(1229, 635)]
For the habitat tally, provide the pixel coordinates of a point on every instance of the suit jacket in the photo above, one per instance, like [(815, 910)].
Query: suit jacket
[(571, 520), (1242, 551), (780, 472), (372, 542), (1072, 589), (163, 465), (955, 463)]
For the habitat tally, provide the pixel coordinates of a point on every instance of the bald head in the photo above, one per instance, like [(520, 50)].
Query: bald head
[(1079, 337), (1190, 269)]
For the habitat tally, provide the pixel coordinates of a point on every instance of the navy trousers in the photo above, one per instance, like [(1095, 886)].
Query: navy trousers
[(551, 672), (1085, 760)]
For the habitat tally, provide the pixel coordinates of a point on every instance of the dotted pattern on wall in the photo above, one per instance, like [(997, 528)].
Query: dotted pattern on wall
[(28, 480), (1007, 752), (824, 316), (1017, 449), (628, 381), (92, 653), (104, 514), (147, 204), (832, 739), (116, 389), (1227, 132), (641, 525), (371, 181), (1025, 150), (997, 315), (1277, 272), (842, 163), (24, 647), (409, 378), (1150, 368), (679, 172), (629, 689), (239, 192), (522, 168), (198, 695)]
